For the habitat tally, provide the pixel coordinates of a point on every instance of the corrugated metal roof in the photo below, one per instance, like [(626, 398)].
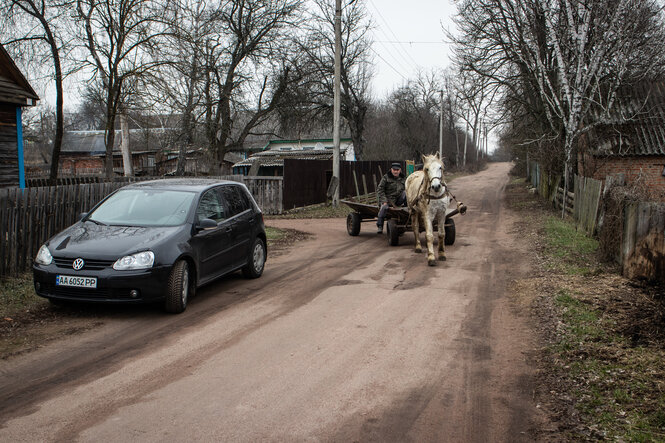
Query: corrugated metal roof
[(276, 158), (635, 126)]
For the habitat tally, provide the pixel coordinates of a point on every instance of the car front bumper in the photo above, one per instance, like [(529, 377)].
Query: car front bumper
[(112, 286)]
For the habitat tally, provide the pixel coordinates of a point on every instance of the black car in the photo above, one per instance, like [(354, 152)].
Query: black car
[(156, 240)]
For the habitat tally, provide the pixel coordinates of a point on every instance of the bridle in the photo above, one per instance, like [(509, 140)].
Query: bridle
[(429, 186)]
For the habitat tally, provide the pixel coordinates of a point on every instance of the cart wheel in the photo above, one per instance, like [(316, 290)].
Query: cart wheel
[(450, 232), (353, 223), (393, 233)]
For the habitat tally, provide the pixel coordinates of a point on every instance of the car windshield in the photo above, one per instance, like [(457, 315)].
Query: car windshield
[(144, 207)]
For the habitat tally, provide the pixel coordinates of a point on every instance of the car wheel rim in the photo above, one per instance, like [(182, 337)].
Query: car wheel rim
[(258, 257), (185, 287)]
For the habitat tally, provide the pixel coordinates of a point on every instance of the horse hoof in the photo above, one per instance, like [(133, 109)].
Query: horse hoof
[(431, 262), (419, 250), (442, 257)]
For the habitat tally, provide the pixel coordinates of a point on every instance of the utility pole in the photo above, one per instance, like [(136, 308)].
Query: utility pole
[(441, 128), (336, 104)]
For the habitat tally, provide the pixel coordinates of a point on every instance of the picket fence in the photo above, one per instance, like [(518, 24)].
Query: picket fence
[(29, 217)]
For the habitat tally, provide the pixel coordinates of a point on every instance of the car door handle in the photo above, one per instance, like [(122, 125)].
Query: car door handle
[(229, 229)]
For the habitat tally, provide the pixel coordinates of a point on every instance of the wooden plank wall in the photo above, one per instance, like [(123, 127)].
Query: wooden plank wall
[(643, 245), (31, 216), (268, 193), (587, 201), (8, 146), (306, 181)]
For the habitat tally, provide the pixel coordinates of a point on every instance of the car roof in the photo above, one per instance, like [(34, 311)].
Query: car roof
[(181, 184)]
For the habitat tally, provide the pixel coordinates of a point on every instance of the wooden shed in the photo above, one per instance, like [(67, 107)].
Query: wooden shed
[(15, 93)]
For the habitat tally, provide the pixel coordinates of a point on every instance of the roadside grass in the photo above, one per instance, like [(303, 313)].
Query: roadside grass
[(571, 251), (274, 234), (601, 371), (18, 296)]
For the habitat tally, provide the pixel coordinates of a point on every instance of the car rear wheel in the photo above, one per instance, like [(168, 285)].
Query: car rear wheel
[(256, 260), (177, 289)]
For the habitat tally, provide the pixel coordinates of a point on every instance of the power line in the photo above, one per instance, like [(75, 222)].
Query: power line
[(403, 64), (391, 31), (388, 63), (412, 42)]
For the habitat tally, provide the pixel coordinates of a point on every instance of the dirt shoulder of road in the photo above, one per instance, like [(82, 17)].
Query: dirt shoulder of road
[(600, 366)]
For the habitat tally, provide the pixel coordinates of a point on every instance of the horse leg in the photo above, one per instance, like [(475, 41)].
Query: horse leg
[(429, 234), (415, 224), (442, 236)]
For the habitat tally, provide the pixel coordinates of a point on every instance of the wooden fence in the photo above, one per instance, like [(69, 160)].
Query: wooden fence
[(29, 217), (268, 193), (643, 241), (582, 204), (642, 236)]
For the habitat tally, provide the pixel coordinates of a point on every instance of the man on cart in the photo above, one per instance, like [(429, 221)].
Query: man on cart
[(390, 193)]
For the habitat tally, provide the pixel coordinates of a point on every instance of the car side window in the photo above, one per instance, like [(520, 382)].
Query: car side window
[(211, 206), (234, 200)]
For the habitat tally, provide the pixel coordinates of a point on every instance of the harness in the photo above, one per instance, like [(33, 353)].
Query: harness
[(435, 197)]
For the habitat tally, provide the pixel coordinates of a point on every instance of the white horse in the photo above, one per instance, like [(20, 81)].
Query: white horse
[(428, 199)]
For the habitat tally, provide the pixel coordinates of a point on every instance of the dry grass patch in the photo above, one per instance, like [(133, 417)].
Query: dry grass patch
[(601, 372)]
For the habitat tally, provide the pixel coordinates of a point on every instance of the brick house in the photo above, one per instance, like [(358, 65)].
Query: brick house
[(84, 153), (15, 93), (631, 142)]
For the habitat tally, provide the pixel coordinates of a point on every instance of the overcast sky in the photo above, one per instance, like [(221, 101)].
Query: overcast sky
[(408, 36)]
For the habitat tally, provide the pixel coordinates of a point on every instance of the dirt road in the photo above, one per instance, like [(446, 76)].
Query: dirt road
[(343, 339)]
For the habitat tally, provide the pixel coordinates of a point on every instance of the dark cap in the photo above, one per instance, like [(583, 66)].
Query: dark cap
[(396, 166)]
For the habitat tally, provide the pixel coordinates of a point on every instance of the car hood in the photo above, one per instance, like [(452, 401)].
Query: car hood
[(87, 239)]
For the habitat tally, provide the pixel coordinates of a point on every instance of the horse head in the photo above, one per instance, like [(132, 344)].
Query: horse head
[(433, 169)]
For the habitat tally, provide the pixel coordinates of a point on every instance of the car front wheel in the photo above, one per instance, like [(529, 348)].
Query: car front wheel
[(177, 289), (256, 260)]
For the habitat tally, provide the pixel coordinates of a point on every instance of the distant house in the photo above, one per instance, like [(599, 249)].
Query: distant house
[(270, 160), (84, 152), (631, 142), (15, 93)]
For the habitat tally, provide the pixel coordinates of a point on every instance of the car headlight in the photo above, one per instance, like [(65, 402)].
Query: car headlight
[(140, 260), (44, 256)]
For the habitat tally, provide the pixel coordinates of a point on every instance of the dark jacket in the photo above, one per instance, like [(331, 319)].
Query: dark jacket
[(390, 188)]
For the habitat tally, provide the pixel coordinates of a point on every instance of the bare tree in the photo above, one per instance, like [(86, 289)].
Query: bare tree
[(247, 66), (564, 56), (178, 85), (356, 72), (41, 28), (118, 35)]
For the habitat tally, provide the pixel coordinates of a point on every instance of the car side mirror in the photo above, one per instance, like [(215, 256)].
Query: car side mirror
[(82, 215), (206, 224)]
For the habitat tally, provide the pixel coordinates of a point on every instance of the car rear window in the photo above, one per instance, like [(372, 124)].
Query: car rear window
[(144, 207)]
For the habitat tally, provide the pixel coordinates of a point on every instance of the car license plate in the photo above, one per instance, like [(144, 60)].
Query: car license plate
[(77, 282)]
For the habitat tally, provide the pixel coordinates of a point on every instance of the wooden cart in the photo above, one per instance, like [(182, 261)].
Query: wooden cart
[(398, 220)]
